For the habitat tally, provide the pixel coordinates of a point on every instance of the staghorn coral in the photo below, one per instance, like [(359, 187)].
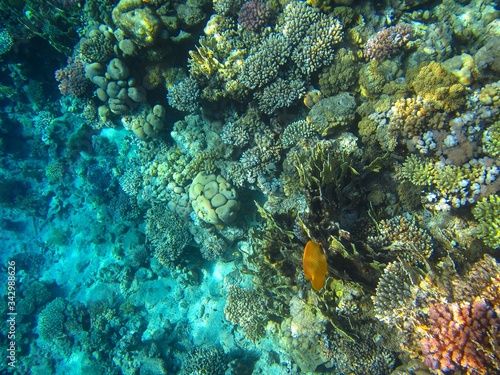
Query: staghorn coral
[(487, 213), (389, 41), (254, 14), (462, 338), (246, 308)]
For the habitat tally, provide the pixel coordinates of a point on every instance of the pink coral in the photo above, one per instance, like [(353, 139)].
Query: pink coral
[(254, 14), (462, 337), (388, 41)]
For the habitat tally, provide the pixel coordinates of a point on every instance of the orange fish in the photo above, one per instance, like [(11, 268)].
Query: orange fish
[(314, 263)]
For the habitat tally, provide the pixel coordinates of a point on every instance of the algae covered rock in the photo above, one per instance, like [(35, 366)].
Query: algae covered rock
[(213, 199)]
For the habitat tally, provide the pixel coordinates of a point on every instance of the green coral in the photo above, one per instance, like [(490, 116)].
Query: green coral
[(340, 75), (417, 171), (491, 140), (487, 213)]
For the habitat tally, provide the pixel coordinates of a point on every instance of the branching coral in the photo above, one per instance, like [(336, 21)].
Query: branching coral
[(462, 336), (402, 237), (394, 293), (184, 95), (317, 46), (254, 14), (388, 41), (487, 213), (246, 308), (206, 361), (262, 67), (167, 234)]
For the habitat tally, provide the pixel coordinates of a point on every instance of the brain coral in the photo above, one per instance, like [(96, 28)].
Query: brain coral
[(213, 199)]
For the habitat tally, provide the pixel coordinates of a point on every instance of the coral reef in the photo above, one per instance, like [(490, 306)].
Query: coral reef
[(167, 234), (51, 320), (214, 200), (183, 95), (388, 41), (487, 213), (254, 14), (402, 236), (246, 308), (461, 337), (72, 79), (209, 361)]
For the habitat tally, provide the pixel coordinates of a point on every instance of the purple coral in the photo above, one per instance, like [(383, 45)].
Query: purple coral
[(254, 14), (388, 41), (72, 80)]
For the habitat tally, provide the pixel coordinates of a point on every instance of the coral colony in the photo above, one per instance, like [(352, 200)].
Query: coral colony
[(234, 187)]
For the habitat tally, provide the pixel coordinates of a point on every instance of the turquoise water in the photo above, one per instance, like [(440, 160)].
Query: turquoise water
[(237, 187)]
